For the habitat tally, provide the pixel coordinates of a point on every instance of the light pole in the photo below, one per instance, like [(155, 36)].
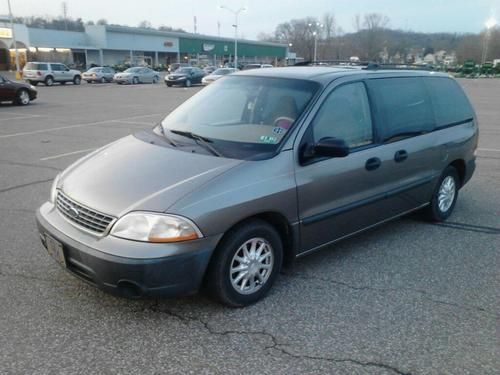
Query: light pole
[(14, 41), (489, 24), (317, 26), (236, 13)]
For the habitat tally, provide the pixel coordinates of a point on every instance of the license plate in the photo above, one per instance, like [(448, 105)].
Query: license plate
[(55, 250)]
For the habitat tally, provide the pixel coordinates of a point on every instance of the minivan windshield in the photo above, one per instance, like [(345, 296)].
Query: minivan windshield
[(249, 117)]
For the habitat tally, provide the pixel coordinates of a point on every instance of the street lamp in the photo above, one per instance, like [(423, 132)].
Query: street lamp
[(317, 26), (236, 13), (489, 24), (14, 41)]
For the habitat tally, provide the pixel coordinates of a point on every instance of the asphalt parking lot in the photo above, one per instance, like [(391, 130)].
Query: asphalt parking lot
[(407, 297)]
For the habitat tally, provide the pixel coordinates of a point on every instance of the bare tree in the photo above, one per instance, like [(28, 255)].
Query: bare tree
[(375, 21), (145, 25), (102, 22), (356, 22)]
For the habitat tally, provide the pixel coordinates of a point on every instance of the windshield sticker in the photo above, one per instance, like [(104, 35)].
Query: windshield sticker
[(278, 130), (268, 139)]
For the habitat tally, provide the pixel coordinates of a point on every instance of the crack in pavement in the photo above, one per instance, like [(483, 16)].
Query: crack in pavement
[(26, 185), (424, 293), (276, 345)]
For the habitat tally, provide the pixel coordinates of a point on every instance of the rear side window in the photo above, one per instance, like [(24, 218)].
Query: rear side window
[(450, 104), (35, 66), (56, 67), (402, 107)]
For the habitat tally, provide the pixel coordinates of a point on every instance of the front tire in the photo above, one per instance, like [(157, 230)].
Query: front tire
[(188, 83), (444, 197), (49, 81), (245, 264), (156, 79), (34, 83), (22, 97), (135, 81)]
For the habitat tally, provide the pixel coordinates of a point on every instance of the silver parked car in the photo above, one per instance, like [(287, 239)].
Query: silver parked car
[(48, 73), (219, 73), (100, 74), (137, 75), (286, 161)]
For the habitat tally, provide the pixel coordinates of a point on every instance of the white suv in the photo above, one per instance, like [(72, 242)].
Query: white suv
[(48, 73)]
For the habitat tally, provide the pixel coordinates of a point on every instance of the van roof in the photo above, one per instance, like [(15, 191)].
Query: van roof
[(327, 74)]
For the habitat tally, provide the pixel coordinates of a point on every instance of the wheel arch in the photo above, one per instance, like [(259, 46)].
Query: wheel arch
[(288, 234), (459, 165)]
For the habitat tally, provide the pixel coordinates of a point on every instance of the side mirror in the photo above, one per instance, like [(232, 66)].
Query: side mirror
[(332, 147)]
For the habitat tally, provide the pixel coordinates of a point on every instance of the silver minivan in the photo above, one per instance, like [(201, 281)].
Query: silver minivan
[(285, 162)]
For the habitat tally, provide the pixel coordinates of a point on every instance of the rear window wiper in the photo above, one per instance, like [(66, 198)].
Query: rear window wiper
[(205, 142)]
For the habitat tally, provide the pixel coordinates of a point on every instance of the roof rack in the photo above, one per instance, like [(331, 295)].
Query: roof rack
[(368, 65)]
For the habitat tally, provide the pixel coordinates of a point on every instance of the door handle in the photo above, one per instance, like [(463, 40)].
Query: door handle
[(372, 164), (400, 156)]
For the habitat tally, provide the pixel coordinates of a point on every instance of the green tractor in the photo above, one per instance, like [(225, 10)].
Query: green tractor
[(487, 69), (469, 69)]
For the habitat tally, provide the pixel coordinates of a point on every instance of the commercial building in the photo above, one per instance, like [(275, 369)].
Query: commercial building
[(110, 45)]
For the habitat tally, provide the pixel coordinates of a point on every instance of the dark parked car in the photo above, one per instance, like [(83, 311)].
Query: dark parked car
[(186, 76), (284, 162), (16, 92)]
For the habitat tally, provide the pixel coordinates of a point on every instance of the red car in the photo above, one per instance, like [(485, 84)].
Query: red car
[(17, 92)]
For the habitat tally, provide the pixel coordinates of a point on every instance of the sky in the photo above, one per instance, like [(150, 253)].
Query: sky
[(263, 15)]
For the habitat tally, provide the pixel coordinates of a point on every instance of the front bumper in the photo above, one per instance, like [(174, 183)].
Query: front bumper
[(178, 272), (123, 80)]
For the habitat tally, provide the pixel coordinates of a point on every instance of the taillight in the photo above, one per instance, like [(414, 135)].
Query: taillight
[(39, 73)]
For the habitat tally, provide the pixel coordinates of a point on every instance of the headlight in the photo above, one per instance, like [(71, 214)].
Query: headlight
[(158, 228), (53, 189)]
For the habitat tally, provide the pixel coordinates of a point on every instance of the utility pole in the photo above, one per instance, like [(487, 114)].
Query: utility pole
[(195, 24), (218, 29), (236, 13), (65, 14), (18, 71)]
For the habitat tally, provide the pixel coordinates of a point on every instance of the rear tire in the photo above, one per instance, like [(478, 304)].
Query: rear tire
[(103, 80), (156, 79), (444, 197), (245, 264), (188, 83), (22, 97), (77, 80)]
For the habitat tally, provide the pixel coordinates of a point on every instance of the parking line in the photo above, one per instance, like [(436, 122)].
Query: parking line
[(67, 154), (73, 126), (17, 118), (489, 149)]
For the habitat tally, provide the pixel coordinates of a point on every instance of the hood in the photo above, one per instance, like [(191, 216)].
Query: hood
[(131, 175), (178, 74)]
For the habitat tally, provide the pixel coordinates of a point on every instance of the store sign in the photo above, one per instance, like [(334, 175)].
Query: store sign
[(207, 47), (225, 48), (168, 43), (5, 33)]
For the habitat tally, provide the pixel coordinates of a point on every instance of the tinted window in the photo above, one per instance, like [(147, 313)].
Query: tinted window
[(345, 114), (449, 101), (43, 67), (402, 107)]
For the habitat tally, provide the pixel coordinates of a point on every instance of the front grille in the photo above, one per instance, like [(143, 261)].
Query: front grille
[(82, 216)]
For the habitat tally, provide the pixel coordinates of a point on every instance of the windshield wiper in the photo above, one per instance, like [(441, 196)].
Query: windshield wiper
[(205, 142)]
